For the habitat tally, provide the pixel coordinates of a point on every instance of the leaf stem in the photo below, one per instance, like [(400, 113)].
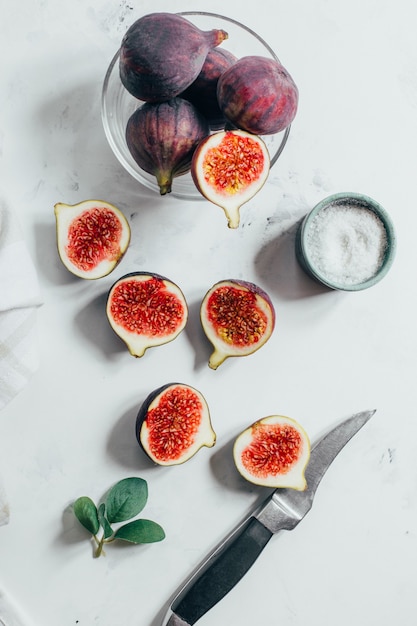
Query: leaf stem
[(100, 545), (99, 550)]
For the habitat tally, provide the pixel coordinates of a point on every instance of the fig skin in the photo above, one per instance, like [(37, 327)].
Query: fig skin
[(203, 91), (92, 237), (273, 452), (258, 95), (162, 138), (203, 436), (138, 334), (229, 168), (161, 54), (219, 331)]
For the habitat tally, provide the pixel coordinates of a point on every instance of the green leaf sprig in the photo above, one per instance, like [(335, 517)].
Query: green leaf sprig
[(125, 500)]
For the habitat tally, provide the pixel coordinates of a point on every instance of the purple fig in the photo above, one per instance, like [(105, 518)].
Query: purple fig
[(162, 53), (258, 95), (162, 138), (203, 91)]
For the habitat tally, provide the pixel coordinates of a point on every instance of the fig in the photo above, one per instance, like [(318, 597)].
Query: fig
[(146, 310), (173, 424), (273, 452), (203, 91), (258, 94), (162, 138), (238, 318), (161, 54), (228, 168), (92, 237)]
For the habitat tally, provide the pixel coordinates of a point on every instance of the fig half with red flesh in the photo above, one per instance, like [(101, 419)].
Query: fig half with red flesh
[(238, 318), (146, 310), (92, 237), (273, 452), (173, 424), (228, 168)]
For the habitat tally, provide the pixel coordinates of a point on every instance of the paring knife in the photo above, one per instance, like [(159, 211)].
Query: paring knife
[(282, 510)]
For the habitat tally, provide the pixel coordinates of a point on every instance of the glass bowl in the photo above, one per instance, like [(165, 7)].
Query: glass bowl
[(117, 104)]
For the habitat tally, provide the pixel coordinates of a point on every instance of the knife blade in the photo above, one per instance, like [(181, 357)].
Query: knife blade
[(282, 510)]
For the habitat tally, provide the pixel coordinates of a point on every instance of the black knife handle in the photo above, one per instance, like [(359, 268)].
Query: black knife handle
[(223, 571)]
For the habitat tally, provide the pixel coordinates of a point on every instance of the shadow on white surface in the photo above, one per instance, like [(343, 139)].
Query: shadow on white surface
[(47, 260), (199, 343), (92, 323), (224, 471), (122, 445), (277, 265)]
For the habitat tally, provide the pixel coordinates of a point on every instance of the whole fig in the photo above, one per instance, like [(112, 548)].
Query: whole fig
[(258, 95), (162, 53), (203, 91), (162, 138)]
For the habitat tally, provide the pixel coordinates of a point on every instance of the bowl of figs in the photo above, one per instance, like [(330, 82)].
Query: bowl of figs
[(197, 83)]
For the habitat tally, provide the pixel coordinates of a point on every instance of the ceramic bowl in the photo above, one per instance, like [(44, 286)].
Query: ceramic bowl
[(347, 242), (117, 104)]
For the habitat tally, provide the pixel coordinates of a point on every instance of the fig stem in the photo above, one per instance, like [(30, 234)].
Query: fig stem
[(233, 217), (216, 359), (164, 183)]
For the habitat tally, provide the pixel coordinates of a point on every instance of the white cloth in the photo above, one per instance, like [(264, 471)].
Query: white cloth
[(10, 613), (19, 298), (4, 506)]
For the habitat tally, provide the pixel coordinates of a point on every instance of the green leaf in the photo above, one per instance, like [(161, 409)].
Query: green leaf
[(86, 512), (107, 529), (140, 531), (126, 499)]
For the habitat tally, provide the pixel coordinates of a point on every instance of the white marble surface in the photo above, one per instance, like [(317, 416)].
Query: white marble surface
[(70, 432)]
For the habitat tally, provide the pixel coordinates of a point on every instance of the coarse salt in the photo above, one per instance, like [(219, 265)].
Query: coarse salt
[(346, 243)]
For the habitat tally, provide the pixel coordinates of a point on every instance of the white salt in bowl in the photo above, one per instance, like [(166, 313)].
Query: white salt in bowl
[(347, 242)]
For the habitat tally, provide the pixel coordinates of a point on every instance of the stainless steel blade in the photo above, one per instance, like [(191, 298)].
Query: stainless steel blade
[(286, 507)]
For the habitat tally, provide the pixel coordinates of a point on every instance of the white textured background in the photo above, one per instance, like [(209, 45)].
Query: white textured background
[(70, 433)]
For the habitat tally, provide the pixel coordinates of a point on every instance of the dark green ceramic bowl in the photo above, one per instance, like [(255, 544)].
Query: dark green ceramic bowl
[(338, 203)]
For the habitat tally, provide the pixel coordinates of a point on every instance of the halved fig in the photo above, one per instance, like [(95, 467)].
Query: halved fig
[(146, 310), (173, 424), (238, 317), (92, 237), (273, 452), (229, 168)]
